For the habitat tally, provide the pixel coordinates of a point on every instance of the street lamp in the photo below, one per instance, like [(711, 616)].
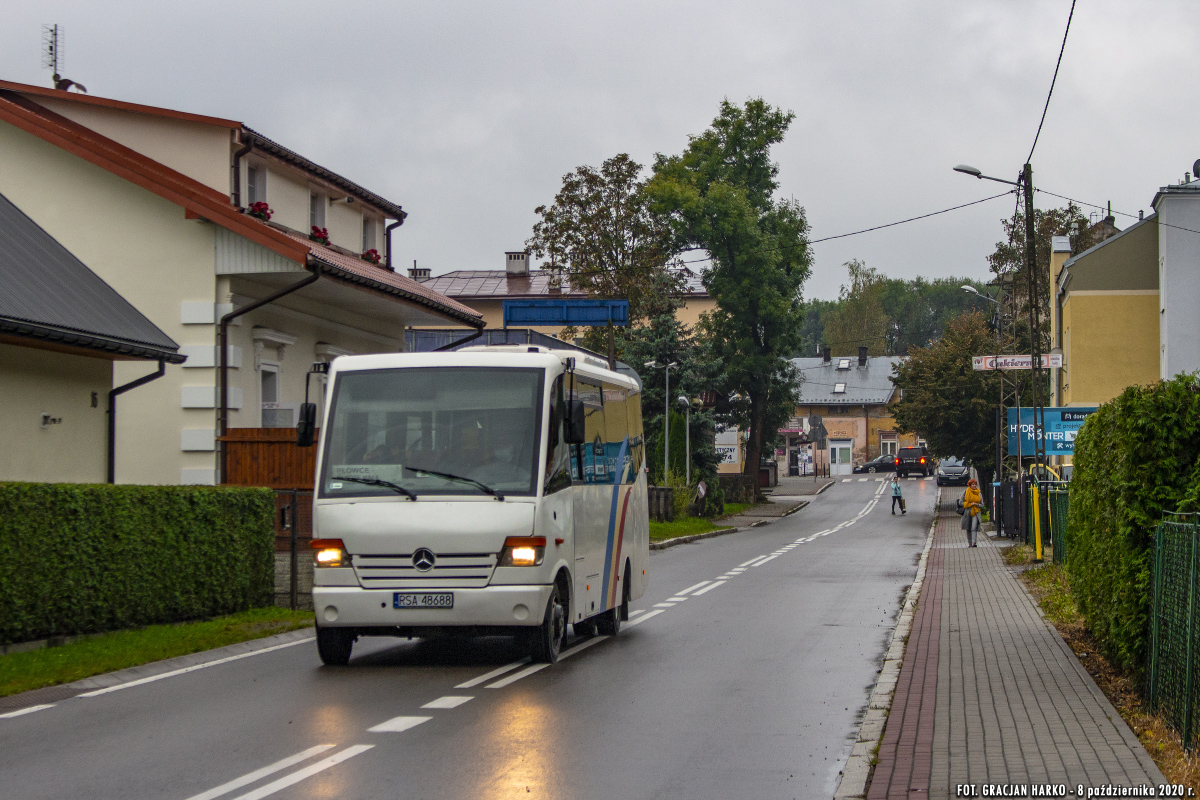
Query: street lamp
[(977, 293), (666, 412)]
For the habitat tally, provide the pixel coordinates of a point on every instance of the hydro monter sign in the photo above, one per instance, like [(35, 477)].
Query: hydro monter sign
[(1062, 426)]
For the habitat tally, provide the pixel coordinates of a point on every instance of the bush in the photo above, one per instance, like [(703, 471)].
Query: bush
[(1135, 458), (82, 558)]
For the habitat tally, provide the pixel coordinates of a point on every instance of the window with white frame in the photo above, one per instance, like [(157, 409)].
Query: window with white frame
[(316, 209), (274, 413), (368, 234), (839, 388), (888, 444), (256, 184)]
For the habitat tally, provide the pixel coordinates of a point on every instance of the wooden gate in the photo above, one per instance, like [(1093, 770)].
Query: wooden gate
[(268, 457)]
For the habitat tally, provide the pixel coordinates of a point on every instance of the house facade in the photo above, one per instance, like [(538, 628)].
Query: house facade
[(156, 203), (851, 398)]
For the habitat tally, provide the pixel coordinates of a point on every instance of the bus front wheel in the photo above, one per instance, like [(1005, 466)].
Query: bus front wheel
[(334, 646), (548, 637)]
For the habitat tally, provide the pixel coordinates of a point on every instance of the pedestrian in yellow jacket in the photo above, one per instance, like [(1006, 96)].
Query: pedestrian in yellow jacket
[(972, 510)]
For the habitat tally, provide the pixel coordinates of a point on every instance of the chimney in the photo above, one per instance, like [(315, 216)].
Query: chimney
[(516, 264), (862, 356), (418, 273), (826, 354)]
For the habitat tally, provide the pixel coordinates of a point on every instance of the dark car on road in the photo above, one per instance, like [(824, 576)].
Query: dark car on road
[(953, 471), (885, 463), (914, 459)]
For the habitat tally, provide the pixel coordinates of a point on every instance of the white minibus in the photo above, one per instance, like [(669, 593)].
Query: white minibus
[(494, 490)]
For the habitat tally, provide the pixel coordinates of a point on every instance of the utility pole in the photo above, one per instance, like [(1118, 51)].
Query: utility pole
[(1035, 343)]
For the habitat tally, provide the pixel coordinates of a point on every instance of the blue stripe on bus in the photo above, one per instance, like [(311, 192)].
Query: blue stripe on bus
[(618, 475)]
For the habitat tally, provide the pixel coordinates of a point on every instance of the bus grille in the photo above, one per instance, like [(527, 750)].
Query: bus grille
[(456, 570)]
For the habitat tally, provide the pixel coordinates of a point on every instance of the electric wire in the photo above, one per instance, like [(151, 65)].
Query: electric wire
[(1122, 213), (1052, 82)]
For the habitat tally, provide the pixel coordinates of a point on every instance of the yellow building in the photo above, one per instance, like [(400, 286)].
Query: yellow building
[(1104, 315)]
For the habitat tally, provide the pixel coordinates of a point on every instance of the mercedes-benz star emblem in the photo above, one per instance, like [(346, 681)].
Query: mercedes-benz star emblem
[(423, 559)]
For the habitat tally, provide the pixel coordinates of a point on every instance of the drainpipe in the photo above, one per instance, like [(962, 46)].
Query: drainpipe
[(112, 414), (223, 357), (237, 173), (387, 232)]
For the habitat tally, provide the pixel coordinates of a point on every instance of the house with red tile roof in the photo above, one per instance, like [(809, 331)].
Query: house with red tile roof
[(206, 227)]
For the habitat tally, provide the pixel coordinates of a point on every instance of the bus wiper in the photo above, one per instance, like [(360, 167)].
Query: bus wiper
[(376, 482), (450, 477)]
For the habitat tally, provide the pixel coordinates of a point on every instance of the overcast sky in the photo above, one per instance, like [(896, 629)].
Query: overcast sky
[(469, 114)]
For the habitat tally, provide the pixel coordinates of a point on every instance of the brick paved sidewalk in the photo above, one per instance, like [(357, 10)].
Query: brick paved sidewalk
[(990, 694)]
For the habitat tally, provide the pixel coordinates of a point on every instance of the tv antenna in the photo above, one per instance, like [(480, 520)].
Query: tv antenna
[(53, 46)]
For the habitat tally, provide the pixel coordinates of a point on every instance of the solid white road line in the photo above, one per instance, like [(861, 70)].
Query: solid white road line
[(645, 617), (691, 589), (23, 711), (258, 774), (585, 645), (709, 588), (307, 772), (496, 673), (192, 668), (525, 673), (449, 701), (398, 724)]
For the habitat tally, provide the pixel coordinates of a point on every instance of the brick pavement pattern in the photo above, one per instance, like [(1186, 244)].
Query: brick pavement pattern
[(1011, 703)]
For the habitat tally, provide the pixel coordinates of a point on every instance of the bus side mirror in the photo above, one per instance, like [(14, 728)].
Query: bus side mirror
[(574, 427), (306, 426)]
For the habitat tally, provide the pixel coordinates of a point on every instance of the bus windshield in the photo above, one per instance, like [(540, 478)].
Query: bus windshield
[(475, 429)]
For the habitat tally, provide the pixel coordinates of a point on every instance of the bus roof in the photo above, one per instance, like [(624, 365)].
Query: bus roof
[(492, 356)]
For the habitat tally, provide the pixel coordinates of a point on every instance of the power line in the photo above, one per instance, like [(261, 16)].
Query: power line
[(1122, 213), (864, 230), (1052, 82)]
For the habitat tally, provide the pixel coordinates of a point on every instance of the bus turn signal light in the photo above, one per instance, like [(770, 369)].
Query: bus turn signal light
[(523, 551), (329, 553)]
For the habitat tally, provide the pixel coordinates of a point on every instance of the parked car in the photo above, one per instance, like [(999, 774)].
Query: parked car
[(953, 471), (914, 459), (885, 463)]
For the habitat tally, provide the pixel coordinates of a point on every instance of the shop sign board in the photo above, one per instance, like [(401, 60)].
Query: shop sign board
[(1062, 426)]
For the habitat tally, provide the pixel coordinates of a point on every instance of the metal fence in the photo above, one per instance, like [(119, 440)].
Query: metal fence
[(1174, 652), (1058, 502)]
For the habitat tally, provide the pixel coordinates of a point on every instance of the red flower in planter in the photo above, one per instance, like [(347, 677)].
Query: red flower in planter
[(319, 235), (373, 256), (260, 210)]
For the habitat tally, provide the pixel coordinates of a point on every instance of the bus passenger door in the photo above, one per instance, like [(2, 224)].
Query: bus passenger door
[(591, 495)]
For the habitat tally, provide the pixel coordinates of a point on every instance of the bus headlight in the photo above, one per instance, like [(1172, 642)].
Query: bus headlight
[(523, 551), (329, 553)]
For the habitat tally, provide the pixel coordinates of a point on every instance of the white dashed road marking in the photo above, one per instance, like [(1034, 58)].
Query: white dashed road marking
[(710, 587), (307, 772), (496, 673), (398, 724), (650, 614), (691, 589), (259, 774), (449, 701), (516, 676)]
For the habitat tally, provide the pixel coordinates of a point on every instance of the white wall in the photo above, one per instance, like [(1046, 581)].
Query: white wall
[(344, 221), (196, 149), (142, 246), (1179, 280), (34, 382)]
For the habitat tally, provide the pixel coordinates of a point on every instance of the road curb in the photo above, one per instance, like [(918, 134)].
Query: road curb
[(857, 771), (695, 537), (823, 488)]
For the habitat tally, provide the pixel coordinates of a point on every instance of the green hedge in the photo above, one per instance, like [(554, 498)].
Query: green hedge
[(82, 558), (1135, 458)]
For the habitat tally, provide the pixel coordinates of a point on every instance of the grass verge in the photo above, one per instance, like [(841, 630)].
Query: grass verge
[(682, 526), (50, 666), (1050, 586), (732, 509), (1017, 554)]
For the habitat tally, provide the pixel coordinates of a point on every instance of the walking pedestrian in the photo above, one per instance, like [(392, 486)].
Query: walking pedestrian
[(897, 496), (972, 517)]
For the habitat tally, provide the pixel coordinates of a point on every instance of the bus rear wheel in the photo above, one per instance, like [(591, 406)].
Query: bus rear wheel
[(547, 638), (609, 623), (334, 646)]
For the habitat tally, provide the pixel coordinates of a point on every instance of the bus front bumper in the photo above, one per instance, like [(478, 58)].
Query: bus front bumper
[(499, 606)]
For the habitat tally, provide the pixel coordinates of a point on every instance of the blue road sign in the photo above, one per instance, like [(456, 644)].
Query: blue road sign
[(566, 312), (1062, 425)]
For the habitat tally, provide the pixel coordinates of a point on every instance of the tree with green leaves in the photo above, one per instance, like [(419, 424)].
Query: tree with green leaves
[(859, 319), (604, 238), (719, 195)]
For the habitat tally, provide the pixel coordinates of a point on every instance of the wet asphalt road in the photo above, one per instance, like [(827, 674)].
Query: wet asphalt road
[(751, 687)]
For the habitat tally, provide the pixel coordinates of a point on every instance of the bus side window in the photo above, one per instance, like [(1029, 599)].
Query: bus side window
[(637, 444), (558, 453), (616, 424), (595, 469)]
